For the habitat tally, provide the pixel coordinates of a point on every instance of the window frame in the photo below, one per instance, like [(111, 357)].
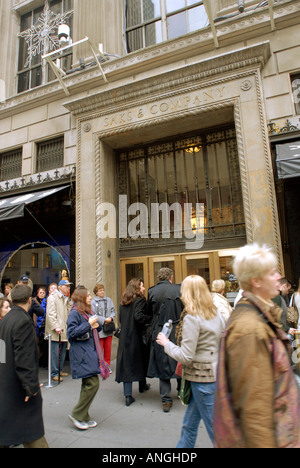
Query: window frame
[(163, 18), (18, 153), (45, 71), (193, 149), (57, 163)]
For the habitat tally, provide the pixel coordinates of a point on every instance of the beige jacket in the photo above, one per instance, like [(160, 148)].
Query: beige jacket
[(222, 305), (58, 309), (199, 349)]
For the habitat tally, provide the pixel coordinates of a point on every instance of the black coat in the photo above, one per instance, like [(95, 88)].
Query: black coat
[(160, 364), (132, 356), (19, 377)]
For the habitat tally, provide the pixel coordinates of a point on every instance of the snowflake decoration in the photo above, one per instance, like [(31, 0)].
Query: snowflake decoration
[(43, 37)]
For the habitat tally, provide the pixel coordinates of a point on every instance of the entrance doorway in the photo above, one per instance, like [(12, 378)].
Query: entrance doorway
[(210, 265), (39, 261)]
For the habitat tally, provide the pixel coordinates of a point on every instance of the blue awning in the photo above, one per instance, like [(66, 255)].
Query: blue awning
[(288, 160), (13, 207)]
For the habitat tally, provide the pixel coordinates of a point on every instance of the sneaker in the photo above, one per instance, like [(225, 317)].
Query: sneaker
[(79, 424), (92, 423)]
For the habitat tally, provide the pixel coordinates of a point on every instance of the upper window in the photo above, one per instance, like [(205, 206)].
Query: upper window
[(38, 36), (295, 79), (11, 165), (150, 22), (50, 154)]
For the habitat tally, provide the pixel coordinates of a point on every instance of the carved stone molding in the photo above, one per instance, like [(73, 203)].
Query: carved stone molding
[(201, 72), (247, 79)]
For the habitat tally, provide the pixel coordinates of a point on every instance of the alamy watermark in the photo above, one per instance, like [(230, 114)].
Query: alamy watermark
[(139, 221)]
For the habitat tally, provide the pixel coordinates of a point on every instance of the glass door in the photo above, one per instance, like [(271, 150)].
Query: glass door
[(156, 263), (199, 264), (134, 268)]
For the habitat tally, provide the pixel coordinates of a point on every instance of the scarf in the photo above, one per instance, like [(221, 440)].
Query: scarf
[(271, 313), (103, 366)]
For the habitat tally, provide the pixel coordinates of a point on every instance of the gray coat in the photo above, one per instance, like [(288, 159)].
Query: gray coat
[(104, 308)]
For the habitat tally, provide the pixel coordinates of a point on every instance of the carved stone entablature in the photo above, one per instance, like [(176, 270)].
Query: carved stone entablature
[(199, 75), (38, 180)]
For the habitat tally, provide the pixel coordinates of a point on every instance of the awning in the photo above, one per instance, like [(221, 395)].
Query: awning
[(13, 207), (288, 160)]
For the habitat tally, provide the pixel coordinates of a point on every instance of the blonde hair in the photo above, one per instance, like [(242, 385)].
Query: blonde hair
[(196, 297), (197, 300), (253, 261), (218, 286)]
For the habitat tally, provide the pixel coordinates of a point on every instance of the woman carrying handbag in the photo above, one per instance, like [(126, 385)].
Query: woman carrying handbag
[(86, 356), (103, 307)]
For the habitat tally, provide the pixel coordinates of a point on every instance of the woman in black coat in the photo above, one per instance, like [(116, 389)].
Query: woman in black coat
[(132, 358)]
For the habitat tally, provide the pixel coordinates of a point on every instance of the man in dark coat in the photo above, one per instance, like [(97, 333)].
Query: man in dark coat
[(21, 420), (163, 304)]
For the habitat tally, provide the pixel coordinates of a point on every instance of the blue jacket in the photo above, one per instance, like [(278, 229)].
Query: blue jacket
[(83, 355)]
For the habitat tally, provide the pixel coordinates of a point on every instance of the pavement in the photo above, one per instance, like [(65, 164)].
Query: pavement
[(142, 425)]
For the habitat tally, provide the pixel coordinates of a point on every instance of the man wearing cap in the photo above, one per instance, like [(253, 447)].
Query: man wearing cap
[(58, 308), (34, 308)]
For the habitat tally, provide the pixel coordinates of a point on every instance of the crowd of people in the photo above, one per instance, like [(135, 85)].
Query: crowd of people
[(233, 365)]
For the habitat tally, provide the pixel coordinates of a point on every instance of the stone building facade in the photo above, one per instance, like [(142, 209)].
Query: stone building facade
[(198, 117)]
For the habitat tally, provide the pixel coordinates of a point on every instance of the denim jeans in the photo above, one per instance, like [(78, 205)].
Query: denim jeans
[(201, 407), (55, 357)]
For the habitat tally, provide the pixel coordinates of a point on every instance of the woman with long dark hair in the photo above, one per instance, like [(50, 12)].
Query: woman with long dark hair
[(85, 356), (132, 355)]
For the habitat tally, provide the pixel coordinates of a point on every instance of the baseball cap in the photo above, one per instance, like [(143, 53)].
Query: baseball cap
[(64, 283), (24, 278)]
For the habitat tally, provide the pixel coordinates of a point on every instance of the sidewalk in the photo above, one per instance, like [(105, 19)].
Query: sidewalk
[(142, 425)]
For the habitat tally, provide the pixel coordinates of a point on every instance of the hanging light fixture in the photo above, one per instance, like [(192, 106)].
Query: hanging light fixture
[(193, 149)]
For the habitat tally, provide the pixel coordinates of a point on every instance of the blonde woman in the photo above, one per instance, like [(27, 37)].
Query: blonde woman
[(220, 302), (199, 335), (257, 401)]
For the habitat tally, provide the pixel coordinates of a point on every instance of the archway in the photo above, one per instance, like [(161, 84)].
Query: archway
[(40, 261)]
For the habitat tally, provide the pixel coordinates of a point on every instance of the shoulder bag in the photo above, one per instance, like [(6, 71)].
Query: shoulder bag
[(185, 391)]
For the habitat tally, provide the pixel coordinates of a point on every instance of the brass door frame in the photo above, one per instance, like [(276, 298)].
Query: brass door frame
[(180, 261), (165, 258), (133, 261)]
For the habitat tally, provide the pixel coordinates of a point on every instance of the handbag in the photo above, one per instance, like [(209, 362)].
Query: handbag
[(292, 315), (109, 327), (85, 337), (185, 391)]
